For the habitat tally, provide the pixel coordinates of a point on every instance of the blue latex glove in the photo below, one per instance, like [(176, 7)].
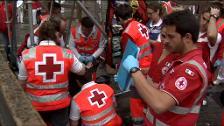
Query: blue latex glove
[(130, 62), (82, 59), (90, 59)]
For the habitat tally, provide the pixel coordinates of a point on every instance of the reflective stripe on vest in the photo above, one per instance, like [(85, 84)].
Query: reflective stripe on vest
[(48, 98), (103, 122), (52, 86), (184, 110), (144, 47), (137, 119), (146, 53), (98, 116), (30, 55), (150, 117)]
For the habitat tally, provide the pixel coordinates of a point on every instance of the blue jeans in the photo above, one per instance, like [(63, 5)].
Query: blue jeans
[(5, 39)]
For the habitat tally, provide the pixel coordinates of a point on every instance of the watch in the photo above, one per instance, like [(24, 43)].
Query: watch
[(134, 69), (215, 16)]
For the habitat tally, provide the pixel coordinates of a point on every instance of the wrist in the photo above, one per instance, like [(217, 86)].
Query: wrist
[(134, 69), (214, 16)]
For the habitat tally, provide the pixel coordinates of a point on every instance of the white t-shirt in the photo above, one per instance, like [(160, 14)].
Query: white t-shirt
[(214, 48)]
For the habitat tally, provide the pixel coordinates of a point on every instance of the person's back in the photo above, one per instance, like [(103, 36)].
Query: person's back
[(51, 66), (135, 31), (43, 71), (94, 104)]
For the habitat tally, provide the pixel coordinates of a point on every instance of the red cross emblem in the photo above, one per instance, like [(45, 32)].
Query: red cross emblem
[(181, 83), (49, 68), (144, 31), (97, 98)]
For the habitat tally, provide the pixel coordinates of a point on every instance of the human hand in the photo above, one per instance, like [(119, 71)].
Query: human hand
[(215, 11), (82, 59), (90, 59), (89, 65), (130, 62)]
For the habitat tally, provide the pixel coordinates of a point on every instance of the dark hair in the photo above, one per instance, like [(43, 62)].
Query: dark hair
[(156, 6), (185, 22), (47, 31), (124, 11), (220, 5), (56, 20), (205, 9), (55, 6), (87, 22)]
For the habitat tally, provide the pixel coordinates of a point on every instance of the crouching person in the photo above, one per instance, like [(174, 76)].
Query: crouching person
[(94, 105)]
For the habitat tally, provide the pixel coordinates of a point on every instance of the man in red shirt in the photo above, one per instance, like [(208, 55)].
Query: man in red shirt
[(161, 61), (178, 100)]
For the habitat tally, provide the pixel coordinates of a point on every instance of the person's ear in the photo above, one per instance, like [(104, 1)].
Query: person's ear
[(188, 36)]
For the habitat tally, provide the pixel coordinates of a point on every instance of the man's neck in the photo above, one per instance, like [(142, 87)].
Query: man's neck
[(128, 20), (189, 48)]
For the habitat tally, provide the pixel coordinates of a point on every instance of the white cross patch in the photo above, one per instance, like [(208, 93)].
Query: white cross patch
[(97, 98), (144, 31), (181, 83), (49, 68)]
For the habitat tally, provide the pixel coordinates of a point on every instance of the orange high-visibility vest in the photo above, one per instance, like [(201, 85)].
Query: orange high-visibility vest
[(139, 34), (95, 104), (86, 45), (47, 68)]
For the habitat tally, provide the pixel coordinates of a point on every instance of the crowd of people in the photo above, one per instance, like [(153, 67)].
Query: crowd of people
[(179, 58)]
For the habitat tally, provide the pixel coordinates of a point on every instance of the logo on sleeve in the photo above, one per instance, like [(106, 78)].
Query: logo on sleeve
[(181, 83), (189, 72), (144, 31)]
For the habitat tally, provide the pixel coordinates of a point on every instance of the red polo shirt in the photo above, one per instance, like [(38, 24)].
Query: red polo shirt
[(158, 69), (183, 83)]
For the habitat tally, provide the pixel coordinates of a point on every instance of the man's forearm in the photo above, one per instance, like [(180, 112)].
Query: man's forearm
[(98, 52), (159, 101)]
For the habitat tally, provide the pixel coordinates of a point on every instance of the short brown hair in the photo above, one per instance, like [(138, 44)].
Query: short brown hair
[(47, 31)]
